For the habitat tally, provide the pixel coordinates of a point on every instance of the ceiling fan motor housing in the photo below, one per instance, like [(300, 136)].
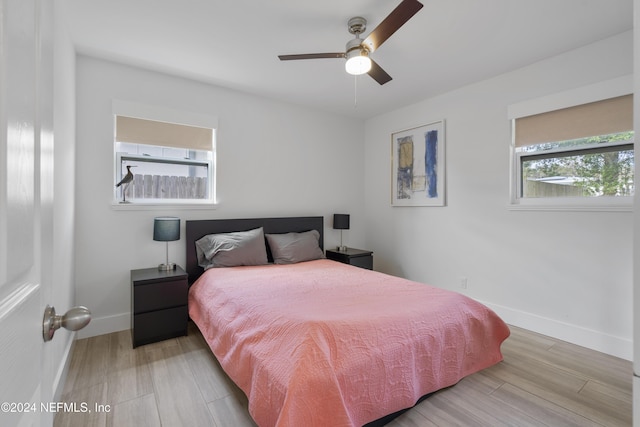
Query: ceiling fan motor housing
[(355, 47)]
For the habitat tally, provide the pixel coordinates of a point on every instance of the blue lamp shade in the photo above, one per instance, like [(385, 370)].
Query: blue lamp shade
[(341, 221), (166, 229)]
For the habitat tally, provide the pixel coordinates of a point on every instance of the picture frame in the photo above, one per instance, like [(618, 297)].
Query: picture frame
[(418, 166)]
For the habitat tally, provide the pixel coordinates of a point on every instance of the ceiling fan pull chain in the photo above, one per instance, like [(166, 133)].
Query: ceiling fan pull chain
[(355, 91)]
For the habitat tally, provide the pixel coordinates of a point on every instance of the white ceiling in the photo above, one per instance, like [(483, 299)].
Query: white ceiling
[(235, 43)]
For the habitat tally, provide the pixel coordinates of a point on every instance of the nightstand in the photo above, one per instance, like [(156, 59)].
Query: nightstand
[(352, 256), (158, 305)]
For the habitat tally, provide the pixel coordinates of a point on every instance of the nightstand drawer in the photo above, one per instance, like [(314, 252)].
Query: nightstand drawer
[(357, 257), (158, 325), (160, 295), (362, 261)]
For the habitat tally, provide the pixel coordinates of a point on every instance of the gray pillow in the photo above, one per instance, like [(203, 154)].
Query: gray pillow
[(232, 249), (290, 248)]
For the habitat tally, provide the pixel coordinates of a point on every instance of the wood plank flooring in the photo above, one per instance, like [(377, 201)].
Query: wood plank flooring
[(541, 382)]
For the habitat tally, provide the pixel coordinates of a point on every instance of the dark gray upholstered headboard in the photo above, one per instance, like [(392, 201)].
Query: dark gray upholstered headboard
[(197, 229)]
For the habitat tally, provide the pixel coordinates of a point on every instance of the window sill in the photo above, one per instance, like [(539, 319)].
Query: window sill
[(572, 205), (149, 206)]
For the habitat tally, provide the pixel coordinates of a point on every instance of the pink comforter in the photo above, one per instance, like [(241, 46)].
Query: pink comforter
[(322, 343)]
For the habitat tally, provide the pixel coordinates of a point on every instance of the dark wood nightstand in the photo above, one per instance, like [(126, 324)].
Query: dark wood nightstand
[(352, 256), (158, 305)]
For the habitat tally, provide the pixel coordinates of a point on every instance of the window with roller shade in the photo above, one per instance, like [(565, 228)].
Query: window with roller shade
[(171, 163), (581, 152)]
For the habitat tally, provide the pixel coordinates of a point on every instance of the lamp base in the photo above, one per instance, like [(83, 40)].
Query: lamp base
[(341, 248), (167, 267)]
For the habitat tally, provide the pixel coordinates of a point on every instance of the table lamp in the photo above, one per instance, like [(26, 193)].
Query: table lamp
[(166, 229), (341, 222)]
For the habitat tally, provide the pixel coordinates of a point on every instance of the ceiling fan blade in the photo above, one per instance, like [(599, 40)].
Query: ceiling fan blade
[(378, 74), (311, 56), (396, 19)]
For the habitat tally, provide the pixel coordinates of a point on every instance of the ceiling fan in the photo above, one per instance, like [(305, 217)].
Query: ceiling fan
[(358, 50)]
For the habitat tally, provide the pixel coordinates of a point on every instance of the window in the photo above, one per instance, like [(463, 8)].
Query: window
[(588, 167), (171, 163), (581, 153)]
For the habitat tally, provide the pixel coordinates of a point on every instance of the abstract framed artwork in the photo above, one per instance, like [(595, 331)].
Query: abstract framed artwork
[(418, 166)]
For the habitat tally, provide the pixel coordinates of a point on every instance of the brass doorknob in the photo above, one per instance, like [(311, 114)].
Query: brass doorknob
[(74, 319)]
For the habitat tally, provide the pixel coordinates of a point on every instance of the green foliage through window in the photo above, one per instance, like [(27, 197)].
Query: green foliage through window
[(586, 167)]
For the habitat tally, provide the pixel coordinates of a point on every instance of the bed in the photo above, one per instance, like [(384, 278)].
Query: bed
[(314, 342)]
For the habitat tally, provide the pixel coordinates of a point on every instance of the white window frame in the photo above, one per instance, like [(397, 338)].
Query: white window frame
[(583, 95), (151, 112)]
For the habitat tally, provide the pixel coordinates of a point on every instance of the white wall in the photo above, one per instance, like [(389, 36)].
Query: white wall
[(63, 280), (564, 274), (274, 159)]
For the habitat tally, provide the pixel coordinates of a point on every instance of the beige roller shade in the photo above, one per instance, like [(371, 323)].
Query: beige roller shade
[(596, 118), (151, 132)]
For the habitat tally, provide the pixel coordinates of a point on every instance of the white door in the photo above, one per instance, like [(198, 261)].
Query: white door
[(26, 200)]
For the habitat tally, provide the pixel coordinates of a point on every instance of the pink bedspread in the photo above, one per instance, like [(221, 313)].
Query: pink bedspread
[(322, 343)]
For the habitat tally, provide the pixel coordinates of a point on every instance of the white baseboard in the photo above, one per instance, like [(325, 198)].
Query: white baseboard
[(105, 325), (595, 340), (61, 376)]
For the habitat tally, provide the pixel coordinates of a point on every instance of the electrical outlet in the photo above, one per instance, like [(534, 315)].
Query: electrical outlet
[(463, 282)]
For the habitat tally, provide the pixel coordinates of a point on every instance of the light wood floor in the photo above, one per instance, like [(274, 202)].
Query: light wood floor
[(541, 382)]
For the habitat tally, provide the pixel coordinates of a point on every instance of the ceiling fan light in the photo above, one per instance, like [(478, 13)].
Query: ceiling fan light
[(358, 62)]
